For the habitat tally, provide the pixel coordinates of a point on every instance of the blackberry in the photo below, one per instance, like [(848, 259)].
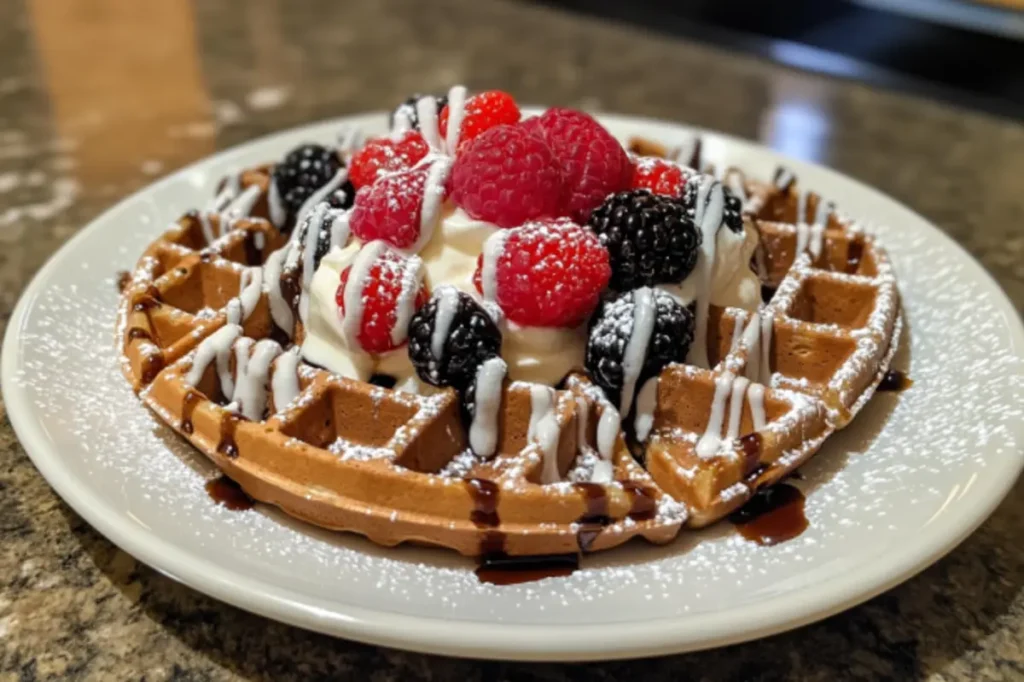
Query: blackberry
[(320, 219), (408, 109), (305, 170), (467, 336), (612, 327), (732, 216), (651, 238)]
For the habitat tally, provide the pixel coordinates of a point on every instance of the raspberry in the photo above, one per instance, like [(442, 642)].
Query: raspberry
[(451, 356), (385, 295), (594, 164), (651, 239), (390, 208), (547, 273), (507, 176), (611, 329), (303, 171), (386, 155), (659, 176), (483, 111)]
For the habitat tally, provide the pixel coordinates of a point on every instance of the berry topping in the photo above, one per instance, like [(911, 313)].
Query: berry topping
[(450, 337), (507, 176), (377, 296), (482, 112), (651, 239), (392, 207), (617, 358), (659, 176), (305, 170), (386, 155), (326, 233), (594, 164), (404, 117), (544, 274), (732, 213)]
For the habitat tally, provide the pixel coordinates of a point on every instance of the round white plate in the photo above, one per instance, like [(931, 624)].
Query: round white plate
[(908, 480)]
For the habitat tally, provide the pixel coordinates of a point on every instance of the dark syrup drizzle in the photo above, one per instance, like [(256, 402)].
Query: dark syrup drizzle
[(767, 292), (895, 380), (854, 253), (773, 515), (595, 518), (188, 406), (501, 569), (485, 514), (643, 506), (122, 279), (228, 425), (751, 445), (227, 493), (253, 254)]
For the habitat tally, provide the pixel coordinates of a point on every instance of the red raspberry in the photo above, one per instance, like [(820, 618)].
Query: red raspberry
[(385, 291), (594, 164), (507, 176), (386, 155), (658, 176), (483, 111), (549, 274), (390, 208)]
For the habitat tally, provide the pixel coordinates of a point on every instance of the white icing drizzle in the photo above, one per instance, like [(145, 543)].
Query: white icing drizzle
[(243, 204), (280, 310), (456, 112), (353, 296), (767, 326), (433, 199), (483, 430), (709, 443), (350, 139), (212, 347), (737, 331), (493, 247), (544, 431), (739, 389), (447, 305), (802, 237), (608, 426), (410, 283), (757, 337), (252, 372), (644, 312), (755, 397), (250, 285), (275, 206), (646, 402), (426, 110), (284, 383), (709, 212), (783, 178)]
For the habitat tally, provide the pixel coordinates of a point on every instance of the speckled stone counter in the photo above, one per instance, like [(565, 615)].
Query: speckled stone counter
[(98, 98)]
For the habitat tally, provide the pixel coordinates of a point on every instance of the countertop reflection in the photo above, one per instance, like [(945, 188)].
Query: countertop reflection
[(98, 98)]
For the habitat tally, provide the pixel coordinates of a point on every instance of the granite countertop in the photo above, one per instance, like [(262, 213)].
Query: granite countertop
[(99, 98)]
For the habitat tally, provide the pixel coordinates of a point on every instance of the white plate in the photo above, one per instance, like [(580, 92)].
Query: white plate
[(908, 480)]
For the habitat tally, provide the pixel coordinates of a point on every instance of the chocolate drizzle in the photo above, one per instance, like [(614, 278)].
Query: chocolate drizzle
[(772, 515), (188, 406), (253, 254), (855, 251), (224, 491), (485, 495), (228, 425), (595, 518), (767, 292), (501, 569), (643, 505), (751, 445), (122, 279), (895, 380)]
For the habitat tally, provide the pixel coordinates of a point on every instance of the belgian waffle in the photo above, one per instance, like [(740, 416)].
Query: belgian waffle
[(211, 325)]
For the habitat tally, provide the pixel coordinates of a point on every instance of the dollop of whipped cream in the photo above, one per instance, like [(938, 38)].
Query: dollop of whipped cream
[(541, 355), (536, 354)]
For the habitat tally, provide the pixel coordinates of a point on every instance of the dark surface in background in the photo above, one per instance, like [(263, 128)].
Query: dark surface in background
[(970, 68)]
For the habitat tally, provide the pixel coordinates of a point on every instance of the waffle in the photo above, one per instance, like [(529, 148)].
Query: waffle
[(212, 320)]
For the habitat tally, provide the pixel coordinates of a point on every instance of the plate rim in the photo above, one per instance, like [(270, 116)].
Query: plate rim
[(465, 638)]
